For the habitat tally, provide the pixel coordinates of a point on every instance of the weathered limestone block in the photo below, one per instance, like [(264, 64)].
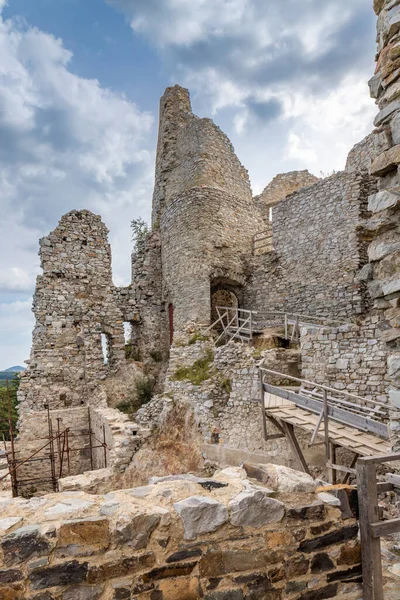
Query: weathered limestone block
[(383, 116), (378, 5), (6, 524), (23, 544), (382, 201), (83, 592), (387, 161), (255, 508), (83, 537), (135, 530), (280, 478), (384, 245), (375, 85), (200, 515), (68, 573)]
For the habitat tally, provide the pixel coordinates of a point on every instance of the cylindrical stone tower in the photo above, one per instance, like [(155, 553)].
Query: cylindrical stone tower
[(204, 208)]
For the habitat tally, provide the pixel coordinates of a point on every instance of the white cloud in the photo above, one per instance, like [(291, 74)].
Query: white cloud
[(286, 80), (65, 142), (15, 279)]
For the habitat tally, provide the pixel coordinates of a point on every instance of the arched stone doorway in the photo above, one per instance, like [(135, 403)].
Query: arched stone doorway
[(224, 298)]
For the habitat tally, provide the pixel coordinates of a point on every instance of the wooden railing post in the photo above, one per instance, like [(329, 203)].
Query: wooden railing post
[(327, 443), (370, 546), (264, 415)]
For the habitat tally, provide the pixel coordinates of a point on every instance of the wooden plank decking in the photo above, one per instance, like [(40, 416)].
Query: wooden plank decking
[(364, 444)]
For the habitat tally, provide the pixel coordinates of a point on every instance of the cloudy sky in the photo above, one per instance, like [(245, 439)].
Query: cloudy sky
[(80, 82)]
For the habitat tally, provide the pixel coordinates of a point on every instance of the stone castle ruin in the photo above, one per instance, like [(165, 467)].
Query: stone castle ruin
[(244, 314)]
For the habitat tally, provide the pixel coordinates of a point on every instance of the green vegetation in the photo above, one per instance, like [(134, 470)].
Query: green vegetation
[(198, 337), (226, 384), (140, 230), (13, 385), (198, 372), (144, 390), (132, 352)]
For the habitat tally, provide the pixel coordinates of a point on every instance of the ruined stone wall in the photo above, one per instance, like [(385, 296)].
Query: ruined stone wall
[(361, 156), (281, 186), (317, 251), (74, 303), (206, 238), (33, 435), (121, 435), (149, 323), (226, 402), (350, 357), (203, 205), (175, 540), (384, 250)]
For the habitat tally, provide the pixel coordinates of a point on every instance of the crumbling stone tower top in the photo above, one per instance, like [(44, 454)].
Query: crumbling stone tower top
[(203, 205), (75, 304)]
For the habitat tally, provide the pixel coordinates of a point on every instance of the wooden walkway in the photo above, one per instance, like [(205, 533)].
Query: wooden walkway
[(342, 419), (364, 444)]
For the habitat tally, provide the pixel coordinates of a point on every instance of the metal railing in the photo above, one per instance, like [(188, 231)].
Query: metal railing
[(329, 403)]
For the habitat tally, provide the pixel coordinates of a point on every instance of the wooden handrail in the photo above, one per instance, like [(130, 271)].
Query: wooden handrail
[(325, 387)]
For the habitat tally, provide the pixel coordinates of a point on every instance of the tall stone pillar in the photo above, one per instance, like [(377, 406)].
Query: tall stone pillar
[(384, 249)]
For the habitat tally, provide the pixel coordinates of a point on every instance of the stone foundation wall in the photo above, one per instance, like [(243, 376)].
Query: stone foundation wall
[(318, 251), (122, 436), (33, 435), (349, 357), (226, 404), (183, 538)]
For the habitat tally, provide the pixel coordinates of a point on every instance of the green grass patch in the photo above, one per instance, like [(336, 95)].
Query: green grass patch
[(226, 384), (197, 337), (198, 372)]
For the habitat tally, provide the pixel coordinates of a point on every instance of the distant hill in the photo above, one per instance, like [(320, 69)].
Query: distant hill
[(10, 373)]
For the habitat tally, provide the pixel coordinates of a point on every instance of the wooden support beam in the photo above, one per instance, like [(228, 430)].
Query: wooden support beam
[(291, 436), (341, 468), (318, 425), (385, 527), (352, 465), (264, 416), (332, 460), (384, 487), (370, 546)]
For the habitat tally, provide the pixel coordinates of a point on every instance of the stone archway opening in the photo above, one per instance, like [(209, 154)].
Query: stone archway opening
[(224, 298)]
